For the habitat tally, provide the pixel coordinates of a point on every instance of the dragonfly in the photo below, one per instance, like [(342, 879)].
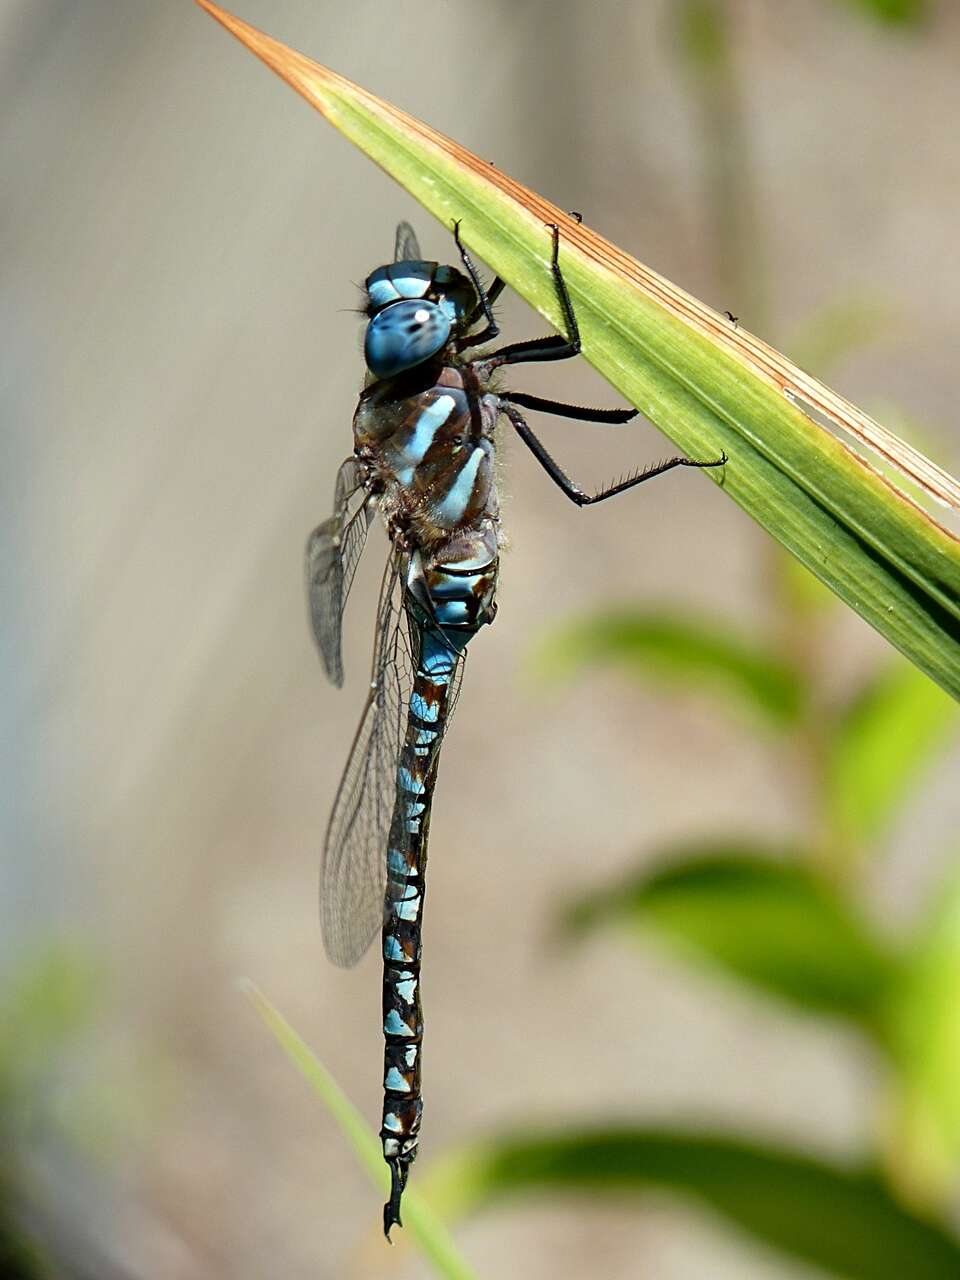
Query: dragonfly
[(424, 436)]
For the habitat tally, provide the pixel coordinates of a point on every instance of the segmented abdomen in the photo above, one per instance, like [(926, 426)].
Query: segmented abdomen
[(460, 599)]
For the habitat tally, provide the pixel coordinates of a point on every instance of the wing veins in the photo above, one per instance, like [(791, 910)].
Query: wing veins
[(354, 875), (406, 247), (332, 555)]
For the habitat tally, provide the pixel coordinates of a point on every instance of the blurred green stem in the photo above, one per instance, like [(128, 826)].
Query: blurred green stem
[(707, 54), (423, 1225), (706, 44)]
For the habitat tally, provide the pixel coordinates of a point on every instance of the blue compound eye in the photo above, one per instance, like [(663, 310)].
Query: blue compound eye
[(403, 335), (457, 295), (398, 280)]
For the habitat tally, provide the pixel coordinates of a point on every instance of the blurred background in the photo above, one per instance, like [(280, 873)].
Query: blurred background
[(706, 881)]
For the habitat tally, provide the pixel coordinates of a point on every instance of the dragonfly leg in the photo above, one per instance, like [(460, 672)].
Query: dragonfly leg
[(495, 290), (486, 297), (555, 347), (574, 492), (613, 416)]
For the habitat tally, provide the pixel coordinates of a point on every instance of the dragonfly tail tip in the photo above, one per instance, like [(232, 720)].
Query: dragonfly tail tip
[(391, 1210)]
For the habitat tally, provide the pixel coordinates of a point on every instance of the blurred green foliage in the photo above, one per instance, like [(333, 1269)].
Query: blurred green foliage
[(751, 913), (19, 1259), (682, 653), (838, 330), (877, 748), (896, 12), (49, 998), (844, 1220), (923, 1036), (702, 34), (785, 922)]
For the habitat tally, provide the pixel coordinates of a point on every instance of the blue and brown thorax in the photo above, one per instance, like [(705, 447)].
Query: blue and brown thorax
[(430, 455), (424, 428)]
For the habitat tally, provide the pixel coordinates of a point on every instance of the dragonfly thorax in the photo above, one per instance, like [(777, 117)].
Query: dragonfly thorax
[(414, 307), (428, 444)]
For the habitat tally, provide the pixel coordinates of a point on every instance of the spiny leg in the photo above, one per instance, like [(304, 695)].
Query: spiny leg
[(492, 294), (573, 329), (485, 296), (615, 417), (573, 492), (555, 347)]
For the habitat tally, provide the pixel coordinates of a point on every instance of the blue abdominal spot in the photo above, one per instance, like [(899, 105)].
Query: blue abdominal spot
[(404, 335)]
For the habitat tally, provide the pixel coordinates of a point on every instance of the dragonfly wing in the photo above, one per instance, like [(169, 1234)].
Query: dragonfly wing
[(354, 875), (333, 553), (406, 248)]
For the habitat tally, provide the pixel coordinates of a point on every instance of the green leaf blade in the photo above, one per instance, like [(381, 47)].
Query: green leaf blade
[(683, 651), (895, 13), (837, 1218), (923, 1021), (878, 749), (768, 923)]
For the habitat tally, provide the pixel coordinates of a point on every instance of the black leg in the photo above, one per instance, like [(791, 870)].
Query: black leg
[(614, 416), (495, 290), (485, 297), (566, 306), (576, 494), (493, 293), (552, 348)]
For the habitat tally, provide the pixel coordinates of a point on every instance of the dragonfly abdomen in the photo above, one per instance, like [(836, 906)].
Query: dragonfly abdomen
[(406, 867), (457, 598)]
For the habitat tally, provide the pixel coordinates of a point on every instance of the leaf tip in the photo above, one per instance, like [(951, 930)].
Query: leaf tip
[(309, 78)]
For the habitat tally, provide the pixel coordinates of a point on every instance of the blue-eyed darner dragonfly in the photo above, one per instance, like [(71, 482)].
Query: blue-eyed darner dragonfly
[(424, 456)]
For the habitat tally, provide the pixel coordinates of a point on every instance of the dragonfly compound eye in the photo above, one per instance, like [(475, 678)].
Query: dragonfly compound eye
[(404, 335)]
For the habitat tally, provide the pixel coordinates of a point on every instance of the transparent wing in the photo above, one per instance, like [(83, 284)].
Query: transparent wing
[(353, 878), (406, 248), (333, 553)]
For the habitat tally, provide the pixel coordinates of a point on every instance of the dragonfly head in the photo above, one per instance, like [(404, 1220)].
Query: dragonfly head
[(413, 308)]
